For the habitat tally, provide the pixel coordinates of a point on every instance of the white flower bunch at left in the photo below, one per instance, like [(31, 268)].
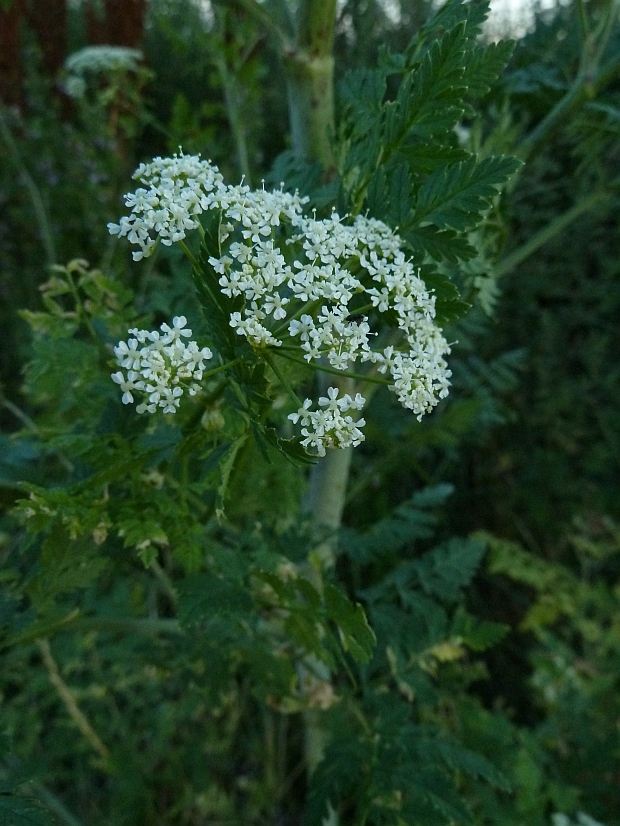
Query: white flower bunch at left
[(98, 60), (102, 59), (159, 366), (179, 189)]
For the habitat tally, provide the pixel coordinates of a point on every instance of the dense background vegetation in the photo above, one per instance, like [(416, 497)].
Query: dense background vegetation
[(483, 542)]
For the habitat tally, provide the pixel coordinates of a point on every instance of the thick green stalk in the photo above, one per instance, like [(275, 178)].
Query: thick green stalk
[(309, 83), (310, 86), (233, 97), (306, 48), (309, 67), (235, 117)]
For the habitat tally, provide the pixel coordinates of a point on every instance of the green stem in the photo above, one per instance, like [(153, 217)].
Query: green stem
[(327, 495), (283, 381), (235, 118), (309, 68), (35, 196), (188, 254), (83, 316), (584, 28), (54, 803), (222, 367), (232, 95), (126, 626), (589, 82), (552, 229), (323, 368), (604, 30), (66, 695), (165, 582), (30, 425), (308, 308), (267, 23)]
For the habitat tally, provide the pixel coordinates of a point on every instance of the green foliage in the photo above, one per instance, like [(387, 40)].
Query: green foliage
[(18, 805), (432, 196), (215, 307), (573, 618), (18, 812), (464, 675), (399, 156)]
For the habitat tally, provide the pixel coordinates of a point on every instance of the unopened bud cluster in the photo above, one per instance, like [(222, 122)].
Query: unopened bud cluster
[(160, 365)]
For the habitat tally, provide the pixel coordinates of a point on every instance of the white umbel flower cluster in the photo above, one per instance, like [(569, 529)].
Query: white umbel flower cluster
[(159, 365), (103, 59), (98, 60), (330, 427), (306, 283), (180, 188)]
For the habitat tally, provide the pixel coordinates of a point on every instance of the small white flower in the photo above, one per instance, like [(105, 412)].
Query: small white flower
[(332, 402), (128, 384)]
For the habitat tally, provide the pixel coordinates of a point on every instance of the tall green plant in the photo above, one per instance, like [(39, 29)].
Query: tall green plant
[(130, 537)]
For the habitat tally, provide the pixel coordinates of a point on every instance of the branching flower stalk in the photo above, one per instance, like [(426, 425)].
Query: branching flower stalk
[(295, 286)]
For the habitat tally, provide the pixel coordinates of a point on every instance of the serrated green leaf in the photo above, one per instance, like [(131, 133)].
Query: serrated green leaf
[(448, 303), (485, 65), (202, 597), (473, 764), (226, 465), (389, 194), (424, 625), (282, 589), (363, 90), (54, 326), (475, 633), (451, 14), (308, 592), (65, 565), (305, 633), (410, 521), (40, 629), (440, 245), (424, 157), (295, 173), (291, 449), (429, 99), (457, 195), (438, 790), (444, 571), (357, 636), (19, 811), (484, 634), (115, 471)]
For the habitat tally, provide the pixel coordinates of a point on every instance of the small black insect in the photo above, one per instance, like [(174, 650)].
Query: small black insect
[(356, 318)]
